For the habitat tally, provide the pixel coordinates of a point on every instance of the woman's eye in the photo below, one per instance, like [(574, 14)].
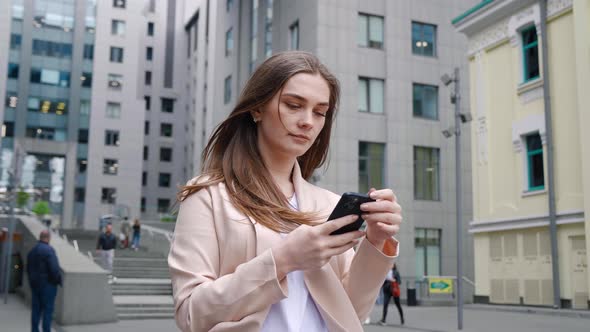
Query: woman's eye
[(293, 106), (320, 114)]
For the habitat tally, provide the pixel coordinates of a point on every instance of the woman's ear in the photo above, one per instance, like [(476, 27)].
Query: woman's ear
[(256, 115)]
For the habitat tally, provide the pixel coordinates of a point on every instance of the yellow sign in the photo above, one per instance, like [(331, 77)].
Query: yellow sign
[(440, 285)]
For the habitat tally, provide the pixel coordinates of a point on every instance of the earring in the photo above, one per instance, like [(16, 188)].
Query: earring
[(255, 120)]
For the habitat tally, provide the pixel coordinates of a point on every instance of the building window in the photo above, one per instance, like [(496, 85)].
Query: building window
[(166, 154), (115, 81), (425, 101), (426, 173), (117, 28), (15, 41), (146, 128), (268, 28), (146, 152), (110, 166), (423, 39), (166, 129), (11, 100), (163, 205), (144, 178), (228, 5), (427, 251), (148, 77), (150, 28), (148, 102), (164, 180), (84, 107), (253, 35), (149, 53), (83, 136), (111, 137), (8, 129), (88, 51), (86, 79), (52, 49), (47, 105), (143, 204), (80, 195), (46, 133), (119, 3), (227, 90), (82, 165), (113, 110), (534, 151), (294, 36), (167, 105), (229, 42), (13, 70), (50, 77), (530, 53), (108, 196), (371, 166), (116, 54), (370, 31), (371, 92)]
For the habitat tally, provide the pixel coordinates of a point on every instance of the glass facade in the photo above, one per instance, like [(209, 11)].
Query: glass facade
[(42, 109)]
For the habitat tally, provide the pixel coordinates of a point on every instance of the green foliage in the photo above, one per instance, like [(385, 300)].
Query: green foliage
[(41, 208), (21, 199), (168, 218)]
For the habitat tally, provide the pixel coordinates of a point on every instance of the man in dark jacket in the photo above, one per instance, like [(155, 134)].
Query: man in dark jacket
[(106, 244), (44, 276)]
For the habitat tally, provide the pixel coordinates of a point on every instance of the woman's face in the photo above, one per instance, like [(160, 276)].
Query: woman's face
[(303, 106)]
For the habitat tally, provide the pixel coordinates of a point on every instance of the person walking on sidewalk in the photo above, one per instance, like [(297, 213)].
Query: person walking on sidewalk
[(106, 244), (136, 234), (44, 276), (252, 250), (391, 289)]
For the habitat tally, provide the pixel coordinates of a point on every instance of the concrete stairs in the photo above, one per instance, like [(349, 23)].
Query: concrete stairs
[(141, 285)]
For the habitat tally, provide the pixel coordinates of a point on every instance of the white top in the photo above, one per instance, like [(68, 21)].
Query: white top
[(297, 312)]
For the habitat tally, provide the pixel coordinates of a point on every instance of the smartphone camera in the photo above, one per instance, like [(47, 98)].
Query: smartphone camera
[(350, 205)]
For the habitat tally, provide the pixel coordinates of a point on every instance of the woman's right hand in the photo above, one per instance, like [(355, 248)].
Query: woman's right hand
[(311, 247)]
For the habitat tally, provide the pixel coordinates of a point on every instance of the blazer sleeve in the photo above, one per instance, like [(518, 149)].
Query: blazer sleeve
[(203, 298), (362, 274)]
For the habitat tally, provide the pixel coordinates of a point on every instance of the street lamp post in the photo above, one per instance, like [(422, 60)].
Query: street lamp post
[(456, 130)]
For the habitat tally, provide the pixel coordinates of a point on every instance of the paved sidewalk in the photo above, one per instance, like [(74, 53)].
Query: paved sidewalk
[(15, 317), (482, 318)]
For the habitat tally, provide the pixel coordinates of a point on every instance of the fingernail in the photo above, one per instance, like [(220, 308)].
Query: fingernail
[(364, 206), (373, 194)]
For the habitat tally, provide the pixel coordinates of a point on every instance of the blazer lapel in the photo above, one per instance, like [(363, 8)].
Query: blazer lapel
[(323, 284)]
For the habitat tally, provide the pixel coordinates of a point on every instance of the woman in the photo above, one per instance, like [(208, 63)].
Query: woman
[(136, 235), (392, 276), (251, 251)]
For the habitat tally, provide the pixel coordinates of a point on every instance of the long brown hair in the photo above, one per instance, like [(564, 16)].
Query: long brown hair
[(232, 156)]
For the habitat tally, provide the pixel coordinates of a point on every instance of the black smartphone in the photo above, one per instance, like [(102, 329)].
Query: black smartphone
[(349, 203)]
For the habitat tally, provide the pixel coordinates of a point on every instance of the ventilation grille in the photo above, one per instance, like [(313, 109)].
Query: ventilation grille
[(531, 292), (512, 291), (497, 291)]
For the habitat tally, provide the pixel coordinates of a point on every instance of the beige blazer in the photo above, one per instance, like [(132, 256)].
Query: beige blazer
[(224, 276)]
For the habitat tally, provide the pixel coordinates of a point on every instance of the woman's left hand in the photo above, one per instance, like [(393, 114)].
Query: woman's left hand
[(383, 217)]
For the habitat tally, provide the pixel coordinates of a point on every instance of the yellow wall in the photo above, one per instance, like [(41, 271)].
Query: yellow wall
[(498, 185), (502, 197)]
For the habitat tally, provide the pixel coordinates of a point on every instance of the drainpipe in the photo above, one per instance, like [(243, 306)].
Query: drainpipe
[(550, 170)]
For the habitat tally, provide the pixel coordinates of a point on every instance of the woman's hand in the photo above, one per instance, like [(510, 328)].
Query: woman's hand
[(311, 247), (383, 217)]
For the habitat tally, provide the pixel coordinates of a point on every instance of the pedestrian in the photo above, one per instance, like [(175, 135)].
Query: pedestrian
[(44, 276), (125, 230), (136, 234), (106, 244), (251, 248), (391, 289)]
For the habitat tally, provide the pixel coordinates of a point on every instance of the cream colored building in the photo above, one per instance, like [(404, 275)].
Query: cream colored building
[(512, 247)]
